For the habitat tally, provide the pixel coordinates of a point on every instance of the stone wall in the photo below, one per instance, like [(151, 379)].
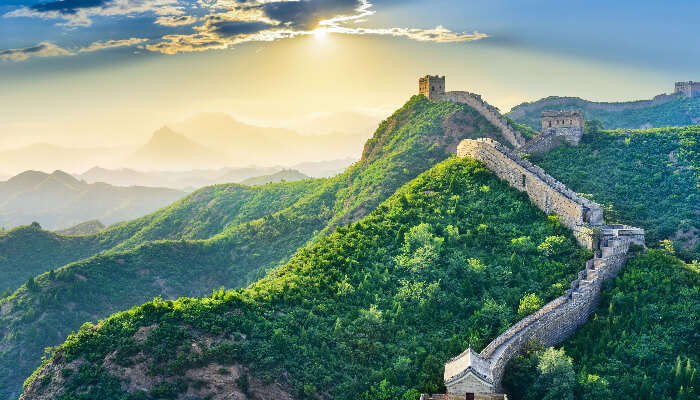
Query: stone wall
[(491, 113), (561, 317), (431, 87), (550, 195), (543, 143), (689, 89), (557, 127), (521, 110)]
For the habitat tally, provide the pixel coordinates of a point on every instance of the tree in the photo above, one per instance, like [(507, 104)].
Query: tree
[(529, 304), (556, 379), (592, 127)]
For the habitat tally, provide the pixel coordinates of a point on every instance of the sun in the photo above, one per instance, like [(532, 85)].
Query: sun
[(321, 33)]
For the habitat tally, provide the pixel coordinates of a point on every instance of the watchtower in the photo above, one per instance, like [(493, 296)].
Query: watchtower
[(568, 124), (432, 87), (689, 89)]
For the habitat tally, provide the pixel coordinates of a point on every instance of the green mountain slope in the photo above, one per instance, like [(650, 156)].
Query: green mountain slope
[(647, 178), (286, 175), (58, 200), (679, 111), (652, 355), (412, 140), (29, 251), (369, 311)]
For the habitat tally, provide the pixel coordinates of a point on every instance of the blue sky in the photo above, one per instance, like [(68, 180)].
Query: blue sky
[(74, 65)]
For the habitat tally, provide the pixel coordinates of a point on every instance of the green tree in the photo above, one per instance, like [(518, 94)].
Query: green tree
[(556, 379), (529, 304)]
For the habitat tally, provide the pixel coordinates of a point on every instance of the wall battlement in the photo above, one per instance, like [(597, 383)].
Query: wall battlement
[(550, 195), (433, 88), (491, 113), (557, 127), (688, 89), (482, 373)]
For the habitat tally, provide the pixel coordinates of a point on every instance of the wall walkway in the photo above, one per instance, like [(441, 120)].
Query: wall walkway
[(473, 372)]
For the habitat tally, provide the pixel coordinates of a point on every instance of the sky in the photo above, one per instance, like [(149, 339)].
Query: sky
[(110, 72)]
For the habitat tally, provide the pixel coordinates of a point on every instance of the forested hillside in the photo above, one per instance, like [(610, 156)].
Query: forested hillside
[(680, 111), (28, 251), (641, 344), (646, 178), (238, 249), (371, 311)]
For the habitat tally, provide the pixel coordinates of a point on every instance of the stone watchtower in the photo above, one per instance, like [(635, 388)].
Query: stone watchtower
[(432, 87), (567, 124), (689, 89)]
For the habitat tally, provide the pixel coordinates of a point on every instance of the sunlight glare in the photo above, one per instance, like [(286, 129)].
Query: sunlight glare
[(321, 33)]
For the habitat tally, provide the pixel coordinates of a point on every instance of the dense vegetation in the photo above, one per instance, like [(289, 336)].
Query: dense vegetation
[(371, 311), (646, 178), (249, 231), (28, 251), (643, 343), (677, 112), (58, 200)]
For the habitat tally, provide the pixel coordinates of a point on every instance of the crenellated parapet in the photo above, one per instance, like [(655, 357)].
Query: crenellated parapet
[(433, 88), (558, 127), (551, 196), (481, 374), (491, 113)]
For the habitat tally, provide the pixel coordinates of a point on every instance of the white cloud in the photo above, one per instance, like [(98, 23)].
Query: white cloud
[(100, 45), (172, 20), (82, 16), (231, 22), (43, 49)]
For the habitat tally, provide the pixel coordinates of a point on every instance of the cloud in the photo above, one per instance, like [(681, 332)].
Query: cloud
[(67, 6), (176, 20), (99, 45), (76, 13), (43, 49), (306, 15), (226, 23), (438, 34), (269, 20)]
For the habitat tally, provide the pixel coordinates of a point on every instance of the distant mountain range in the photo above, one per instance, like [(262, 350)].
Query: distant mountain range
[(193, 179), (248, 144), (59, 200), (287, 175), (49, 157), (661, 111), (209, 141), (169, 150)]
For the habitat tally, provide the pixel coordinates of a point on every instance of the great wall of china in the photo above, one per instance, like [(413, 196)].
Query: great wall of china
[(473, 375)]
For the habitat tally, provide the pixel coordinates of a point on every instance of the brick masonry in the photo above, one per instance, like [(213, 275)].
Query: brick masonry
[(557, 127), (472, 372), (433, 88), (481, 373)]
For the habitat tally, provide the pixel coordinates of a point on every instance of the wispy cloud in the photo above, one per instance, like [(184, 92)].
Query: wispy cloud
[(108, 44), (76, 13), (43, 49), (171, 20)]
